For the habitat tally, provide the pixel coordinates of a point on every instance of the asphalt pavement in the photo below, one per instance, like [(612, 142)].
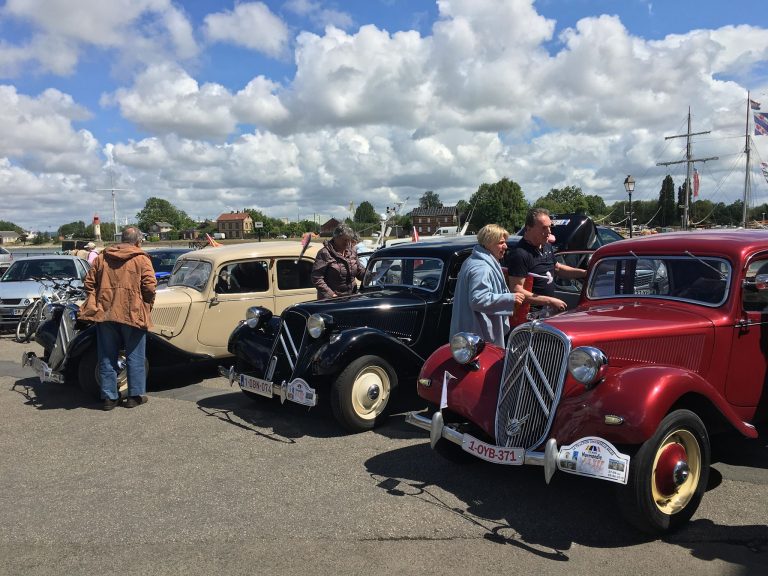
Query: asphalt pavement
[(201, 480)]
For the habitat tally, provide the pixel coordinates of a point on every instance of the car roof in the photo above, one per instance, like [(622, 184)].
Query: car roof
[(438, 248), (732, 244), (49, 257), (228, 252)]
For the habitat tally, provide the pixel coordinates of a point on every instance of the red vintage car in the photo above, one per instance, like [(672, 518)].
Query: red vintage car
[(668, 345)]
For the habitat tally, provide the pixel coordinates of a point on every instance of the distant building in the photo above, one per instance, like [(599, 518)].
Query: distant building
[(8, 236), (235, 224), (428, 220), (161, 230), (328, 227)]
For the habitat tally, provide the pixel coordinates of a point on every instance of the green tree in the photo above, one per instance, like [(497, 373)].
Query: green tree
[(430, 200), (10, 226), (596, 205), (564, 200), (669, 214), (365, 214), (159, 210), (501, 203), (74, 229)]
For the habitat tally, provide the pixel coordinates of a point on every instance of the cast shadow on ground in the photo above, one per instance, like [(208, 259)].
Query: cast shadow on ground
[(290, 420), (514, 506)]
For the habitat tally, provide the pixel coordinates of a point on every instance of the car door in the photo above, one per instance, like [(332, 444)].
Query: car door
[(746, 380), (237, 286), (292, 280)]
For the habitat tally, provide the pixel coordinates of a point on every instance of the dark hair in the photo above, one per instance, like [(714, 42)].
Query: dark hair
[(533, 213), (131, 235)]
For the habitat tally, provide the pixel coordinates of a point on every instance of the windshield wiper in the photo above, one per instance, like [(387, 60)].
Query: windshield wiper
[(722, 275)]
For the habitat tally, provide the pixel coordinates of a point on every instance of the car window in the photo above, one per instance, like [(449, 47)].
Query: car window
[(293, 274), (700, 280), (755, 294), (190, 273), (163, 261), (419, 272), (245, 276), (606, 235)]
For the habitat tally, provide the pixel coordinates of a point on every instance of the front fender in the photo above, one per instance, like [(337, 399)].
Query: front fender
[(642, 396), (472, 389), (331, 357)]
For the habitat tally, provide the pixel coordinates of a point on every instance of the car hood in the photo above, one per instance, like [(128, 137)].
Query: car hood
[(398, 312), (630, 333), (170, 311), (20, 289)]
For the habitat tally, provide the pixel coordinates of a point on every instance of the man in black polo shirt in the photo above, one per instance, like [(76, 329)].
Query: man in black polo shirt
[(534, 256)]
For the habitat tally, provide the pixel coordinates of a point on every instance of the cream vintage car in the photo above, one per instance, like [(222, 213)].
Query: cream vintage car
[(207, 295), (210, 290)]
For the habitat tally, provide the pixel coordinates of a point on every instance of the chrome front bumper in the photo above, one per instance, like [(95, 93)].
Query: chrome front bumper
[(300, 393), (438, 429), (43, 371)]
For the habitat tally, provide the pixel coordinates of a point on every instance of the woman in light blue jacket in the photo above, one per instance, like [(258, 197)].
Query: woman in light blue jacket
[(482, 302)]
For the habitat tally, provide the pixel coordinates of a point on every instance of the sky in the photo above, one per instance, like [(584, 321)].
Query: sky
[(299, 108)]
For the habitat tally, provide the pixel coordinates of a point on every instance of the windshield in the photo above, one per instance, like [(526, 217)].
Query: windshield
[(190, 273), (31, 269), (700, 280), (420, 272)]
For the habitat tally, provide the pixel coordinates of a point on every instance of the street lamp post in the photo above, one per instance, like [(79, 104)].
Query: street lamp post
[(629, 186)]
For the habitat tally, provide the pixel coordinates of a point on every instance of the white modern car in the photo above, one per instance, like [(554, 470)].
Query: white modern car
[(20, 285)]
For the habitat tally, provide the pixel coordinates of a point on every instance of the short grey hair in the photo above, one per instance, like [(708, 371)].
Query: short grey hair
[(131, 235), (344, 231)]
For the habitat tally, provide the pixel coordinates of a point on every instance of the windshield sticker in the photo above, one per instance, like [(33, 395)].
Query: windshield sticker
[(596, 458), (561, 222)]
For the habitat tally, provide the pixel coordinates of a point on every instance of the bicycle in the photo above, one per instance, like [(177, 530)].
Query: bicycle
[(52, 290)]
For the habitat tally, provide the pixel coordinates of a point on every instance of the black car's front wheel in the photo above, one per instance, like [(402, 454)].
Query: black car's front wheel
[(668, 475), (361, 392)]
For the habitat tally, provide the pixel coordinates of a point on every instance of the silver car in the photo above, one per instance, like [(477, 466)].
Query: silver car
[(19, 286)]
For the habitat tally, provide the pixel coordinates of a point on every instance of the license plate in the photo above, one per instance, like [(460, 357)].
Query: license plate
[(256, 385), (491, 453)]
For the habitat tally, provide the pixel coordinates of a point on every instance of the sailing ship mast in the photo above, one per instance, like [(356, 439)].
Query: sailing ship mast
[(747, 171), (689, 160)]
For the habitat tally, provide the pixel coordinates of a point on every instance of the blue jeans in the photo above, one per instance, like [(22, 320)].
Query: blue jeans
[(111, 337)]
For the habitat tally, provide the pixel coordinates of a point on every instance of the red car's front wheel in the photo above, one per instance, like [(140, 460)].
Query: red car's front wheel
[(668, 475)]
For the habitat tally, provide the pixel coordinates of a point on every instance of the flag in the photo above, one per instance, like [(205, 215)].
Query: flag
[(764, 168), (761, 123), (695, 183), (414, 234), (754, 105)]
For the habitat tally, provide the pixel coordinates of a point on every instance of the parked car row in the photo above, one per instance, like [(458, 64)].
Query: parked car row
[(664, 347)]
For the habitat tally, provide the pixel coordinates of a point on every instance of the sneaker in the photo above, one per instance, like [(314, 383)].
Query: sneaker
[(109, 404), (134, 401)]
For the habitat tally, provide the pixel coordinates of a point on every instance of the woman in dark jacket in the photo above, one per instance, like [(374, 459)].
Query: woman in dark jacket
[(336, 265)]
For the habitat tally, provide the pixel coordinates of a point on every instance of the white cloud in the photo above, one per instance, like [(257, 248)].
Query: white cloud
[(252, 25), (165, 99)]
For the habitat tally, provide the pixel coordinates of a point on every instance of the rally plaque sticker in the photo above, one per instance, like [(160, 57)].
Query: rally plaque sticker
[(594, 457)]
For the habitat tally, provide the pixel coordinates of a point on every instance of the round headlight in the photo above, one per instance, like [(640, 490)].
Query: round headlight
[(316, 325), (465, 347), (256, 316), (587, 365)]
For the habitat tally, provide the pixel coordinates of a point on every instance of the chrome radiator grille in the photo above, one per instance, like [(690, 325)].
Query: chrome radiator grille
[(534, 372), (287, 349)]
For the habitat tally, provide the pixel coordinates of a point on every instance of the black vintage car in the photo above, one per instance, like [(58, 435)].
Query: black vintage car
[(356, 348)]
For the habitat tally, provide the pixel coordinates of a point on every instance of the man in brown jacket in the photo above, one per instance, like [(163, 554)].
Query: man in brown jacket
[(120, 290)]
